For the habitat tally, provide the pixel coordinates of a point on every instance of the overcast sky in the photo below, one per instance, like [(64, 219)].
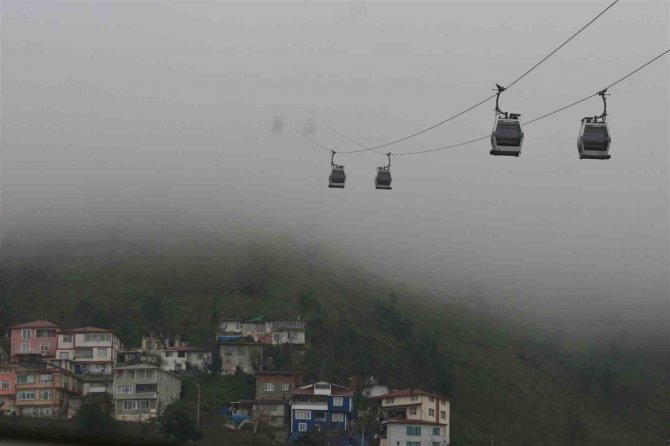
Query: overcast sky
[(153, 113)]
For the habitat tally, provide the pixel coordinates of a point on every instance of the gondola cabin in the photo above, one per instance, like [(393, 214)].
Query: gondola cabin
[(507, 136), (383, 178), (337, 177), (593, 141)]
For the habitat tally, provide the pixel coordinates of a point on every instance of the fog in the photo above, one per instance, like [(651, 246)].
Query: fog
[(154, 115)]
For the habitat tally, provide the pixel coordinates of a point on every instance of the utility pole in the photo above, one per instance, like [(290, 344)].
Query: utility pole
[(197, 413)]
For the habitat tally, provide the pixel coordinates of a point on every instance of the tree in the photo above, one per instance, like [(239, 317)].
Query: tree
[(178, 423), (94, 421)]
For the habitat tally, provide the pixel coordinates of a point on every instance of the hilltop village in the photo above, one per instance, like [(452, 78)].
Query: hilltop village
[(51, 372)]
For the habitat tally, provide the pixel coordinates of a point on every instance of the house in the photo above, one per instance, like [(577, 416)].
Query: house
[(265, 331), (7, 388), (44, 387), (322, 407), (185, 358), (34, 337), (273, 395), (240, 354), (414, 417), (93, 350), (142, 392)]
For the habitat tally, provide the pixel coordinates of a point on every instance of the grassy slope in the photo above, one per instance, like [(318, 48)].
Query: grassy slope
[(521, 389)]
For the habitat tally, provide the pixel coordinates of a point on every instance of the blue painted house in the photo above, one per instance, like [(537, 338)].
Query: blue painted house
[(323, 407)]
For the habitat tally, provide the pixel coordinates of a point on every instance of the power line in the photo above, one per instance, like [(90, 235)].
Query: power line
[(543, 116), (316, 143), (351, 140), (366, 148)]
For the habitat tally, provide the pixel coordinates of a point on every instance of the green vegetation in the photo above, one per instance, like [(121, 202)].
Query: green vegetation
[(522, 385)]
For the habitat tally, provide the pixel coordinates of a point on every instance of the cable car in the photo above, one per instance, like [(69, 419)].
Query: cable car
[(383, 178), (277, 124), (507, 135), (337, 176), (593, 141)]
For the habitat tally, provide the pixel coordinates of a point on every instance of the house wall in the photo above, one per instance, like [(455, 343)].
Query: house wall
[(168, 389), (277, 392), (248, 357), (8, 377), (398, 433), (49, 343), (427, 410), (320, 414)]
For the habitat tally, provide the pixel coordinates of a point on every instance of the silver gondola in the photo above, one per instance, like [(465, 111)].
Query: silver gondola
[(277, 123), (383, 178), (337, 176), (593, 141), (507, 135)]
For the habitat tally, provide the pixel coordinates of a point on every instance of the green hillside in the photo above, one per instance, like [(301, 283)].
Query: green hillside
[(520, 384)]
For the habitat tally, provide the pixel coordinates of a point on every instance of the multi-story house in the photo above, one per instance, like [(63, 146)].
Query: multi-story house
[(240, 354), (93, 350), (142, 392), (265, 331), (34, 337), (7, 387), (322, 407), (273, 395), (44, 387), (185, 358), (414, 418)]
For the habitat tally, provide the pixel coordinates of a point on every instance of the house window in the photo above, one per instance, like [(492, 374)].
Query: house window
[(25, 333), (130, 374), (105, 337), (84, 353), (389, 400), (4, 385), (144, 388), (44, 347), (436, 443), (413, 431), (64, 355), (67, 338), (45, 395), (414, 398), (25, 379), (46, 379), (337, 418), (413, 443), (148, 374), (285, 387), (443, 414), (181, 354), (200, 356), (269, 387), (443, 402), (124, 389), (303, 415), (338, 401), (412, 410), (431, 399), (136, 405), (431, 412), (44, 333), (25, 347), (320, 416), (436, 431), (25, 395), (91, 337), (102, 352), (302, 427), (168, 354)]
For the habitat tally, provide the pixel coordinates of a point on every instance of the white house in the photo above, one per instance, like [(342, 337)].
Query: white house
[(93, 350), (414, 417), (185, 358)]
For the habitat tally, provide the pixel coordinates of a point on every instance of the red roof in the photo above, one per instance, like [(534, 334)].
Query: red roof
[(36, 324), (334, 390), (278, 373), (407, 392)]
